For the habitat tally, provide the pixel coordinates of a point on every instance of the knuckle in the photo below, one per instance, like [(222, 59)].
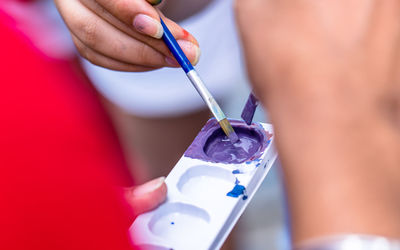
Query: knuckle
[(118, 48), (148, 57), (89, 32), (121, 6), (141, 54)]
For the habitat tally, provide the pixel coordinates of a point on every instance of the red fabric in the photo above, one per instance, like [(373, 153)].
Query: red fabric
[(59, 158)]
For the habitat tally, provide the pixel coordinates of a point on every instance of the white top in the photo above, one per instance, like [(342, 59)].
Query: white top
[(167, 92)]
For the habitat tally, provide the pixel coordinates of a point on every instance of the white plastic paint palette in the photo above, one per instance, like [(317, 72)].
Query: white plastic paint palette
[(205, 196)]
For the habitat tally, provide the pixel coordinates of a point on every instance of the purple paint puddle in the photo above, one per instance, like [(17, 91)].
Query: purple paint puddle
[(211, 144), (249, 109), (237, 191), (219, 148)]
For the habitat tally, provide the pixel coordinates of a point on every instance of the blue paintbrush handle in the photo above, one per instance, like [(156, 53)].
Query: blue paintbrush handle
[(191, 73), (195, 79), (176, 50)]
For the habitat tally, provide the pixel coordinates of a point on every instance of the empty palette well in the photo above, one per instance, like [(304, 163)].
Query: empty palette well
[(171, 221), (205, 184)]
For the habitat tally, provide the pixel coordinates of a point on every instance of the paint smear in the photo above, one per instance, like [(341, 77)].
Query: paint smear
[(211, 144), (249, 109)]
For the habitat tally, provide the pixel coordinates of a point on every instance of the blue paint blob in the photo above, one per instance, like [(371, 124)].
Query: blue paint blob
[(248, 162), (237, 191), (236, 171), (172, 223), (258, 164)]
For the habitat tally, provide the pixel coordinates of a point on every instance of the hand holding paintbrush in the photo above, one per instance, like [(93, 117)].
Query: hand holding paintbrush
[(123, 35)]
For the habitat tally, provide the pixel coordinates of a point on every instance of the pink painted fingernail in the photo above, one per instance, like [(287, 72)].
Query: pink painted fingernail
[(191, 50), (148, 187), (148, 25)]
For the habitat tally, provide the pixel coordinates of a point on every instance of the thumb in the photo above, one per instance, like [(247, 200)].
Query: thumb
[(146, 197)]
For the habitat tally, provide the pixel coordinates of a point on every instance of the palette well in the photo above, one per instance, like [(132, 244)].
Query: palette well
[(208, 189)]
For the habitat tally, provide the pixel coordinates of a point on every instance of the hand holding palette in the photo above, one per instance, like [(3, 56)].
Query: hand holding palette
[(208, 189)]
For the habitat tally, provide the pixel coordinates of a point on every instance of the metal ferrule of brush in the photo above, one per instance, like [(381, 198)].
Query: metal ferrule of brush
[(206, 95)]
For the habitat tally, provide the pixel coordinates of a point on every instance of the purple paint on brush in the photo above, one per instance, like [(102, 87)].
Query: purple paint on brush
[(249, 109), (233, 137), (211, 144)]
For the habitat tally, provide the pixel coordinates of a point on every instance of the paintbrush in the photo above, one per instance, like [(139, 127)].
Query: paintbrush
[(249, 109), (195, 79)]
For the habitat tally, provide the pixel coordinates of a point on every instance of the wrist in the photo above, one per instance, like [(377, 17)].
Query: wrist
[(343, 180)]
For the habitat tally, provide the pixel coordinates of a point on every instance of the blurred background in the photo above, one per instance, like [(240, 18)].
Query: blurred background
[(143, 106)]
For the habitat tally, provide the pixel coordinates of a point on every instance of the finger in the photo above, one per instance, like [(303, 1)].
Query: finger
[(129, 28), (137, 13), (147, 197), (104, 38), (176, 30), (154, 2), (106, 62), (192, 52)]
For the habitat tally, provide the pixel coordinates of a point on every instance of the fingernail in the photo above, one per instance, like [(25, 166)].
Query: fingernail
[(148, 25), (190, 49), (154, 2), (171, 62), (148, 187)]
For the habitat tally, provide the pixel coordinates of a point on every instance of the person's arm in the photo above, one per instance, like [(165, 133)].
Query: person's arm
[(123, 35), (328, 74)]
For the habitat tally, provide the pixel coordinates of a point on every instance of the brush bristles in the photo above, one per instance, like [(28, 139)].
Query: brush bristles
[(228, 130)]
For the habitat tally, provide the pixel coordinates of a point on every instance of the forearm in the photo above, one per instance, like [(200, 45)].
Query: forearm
[(328, 74), (341, 169)]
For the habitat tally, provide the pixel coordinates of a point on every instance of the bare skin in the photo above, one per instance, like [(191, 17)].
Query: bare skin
[(106, 33), (179, 10), (328, 73), (123, 35), (147, 196), (160, 142)]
